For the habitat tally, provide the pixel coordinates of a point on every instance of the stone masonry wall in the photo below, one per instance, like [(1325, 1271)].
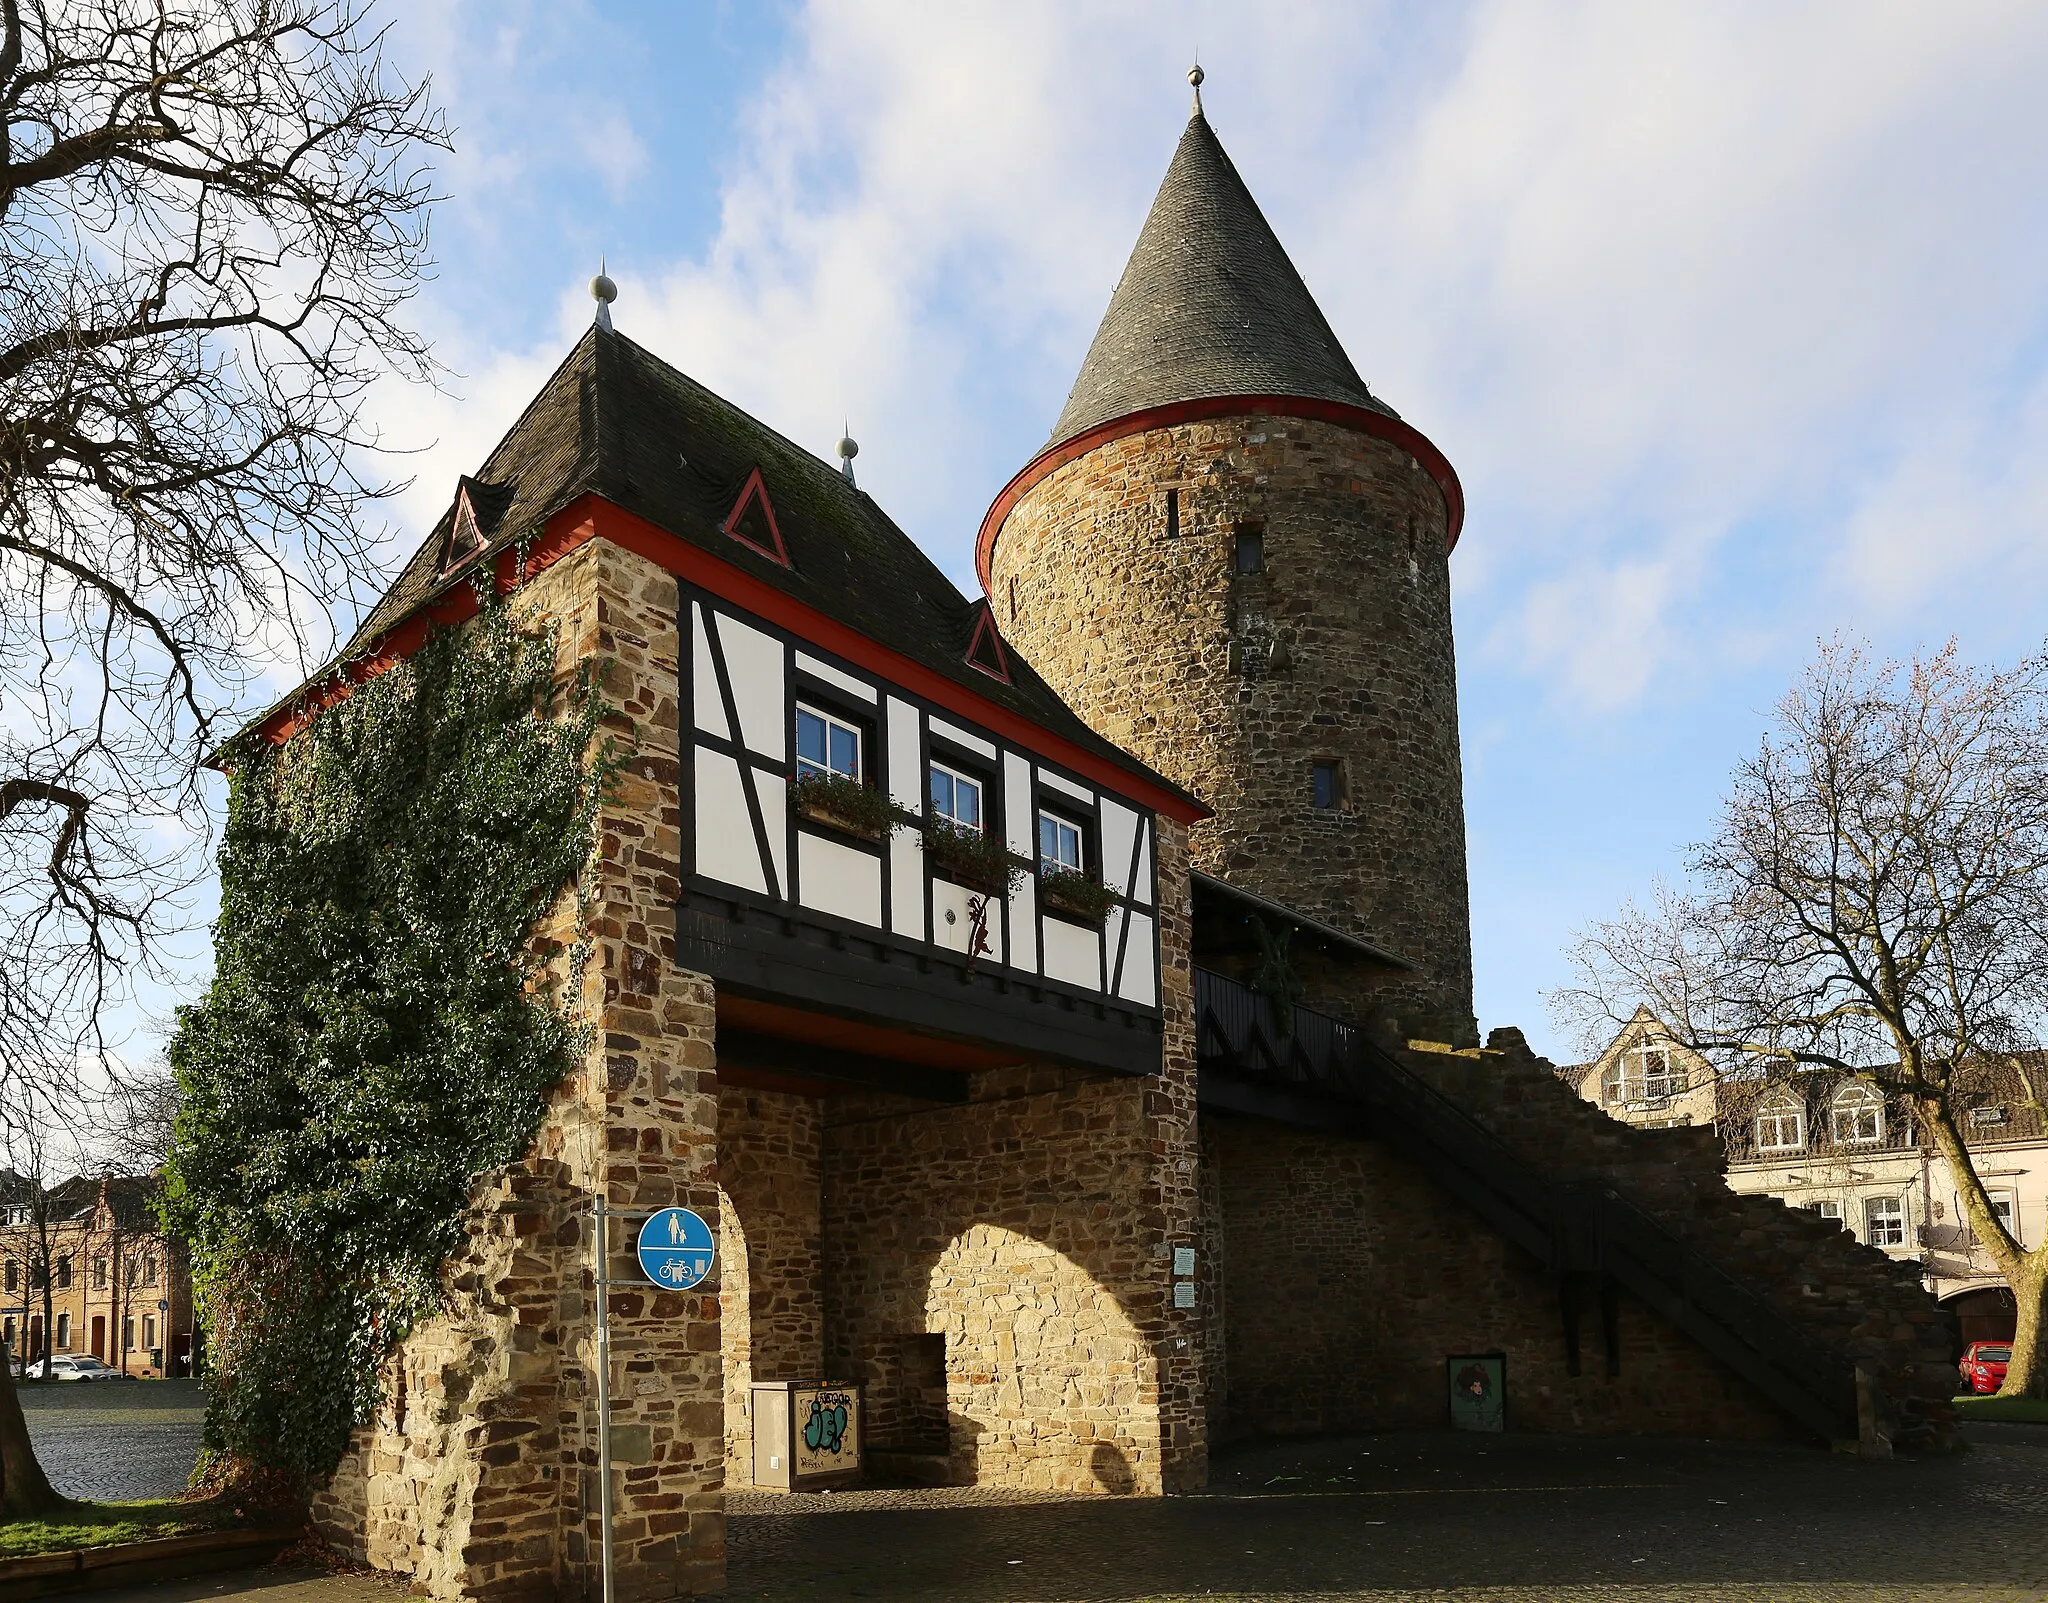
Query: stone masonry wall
[(479, 1475), (1032, 1229), (1233, 685), (770, 1177), (1351, 1277), (1849, 1297)]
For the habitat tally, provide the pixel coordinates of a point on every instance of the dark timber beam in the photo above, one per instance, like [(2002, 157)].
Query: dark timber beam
[(748, 1049)]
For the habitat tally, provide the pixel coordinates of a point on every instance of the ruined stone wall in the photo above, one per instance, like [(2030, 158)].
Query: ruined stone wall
[(1351, 1277), (1032, 1230), (1234, 684), (770, 1179), (479, 1475)]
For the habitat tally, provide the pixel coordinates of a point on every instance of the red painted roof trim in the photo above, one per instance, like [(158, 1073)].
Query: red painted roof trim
[(1362, 418), (591, 517)]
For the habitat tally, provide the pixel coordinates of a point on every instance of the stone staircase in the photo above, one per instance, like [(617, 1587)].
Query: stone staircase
[(1840, 1338)]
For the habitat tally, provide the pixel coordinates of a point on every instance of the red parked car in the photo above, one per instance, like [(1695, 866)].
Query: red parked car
[(1983, 1365)]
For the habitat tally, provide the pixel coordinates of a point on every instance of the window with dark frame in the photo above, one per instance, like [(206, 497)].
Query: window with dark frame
[(1328, 785), (957, 797), (1061, 847), (1251, 548), (828, 744)]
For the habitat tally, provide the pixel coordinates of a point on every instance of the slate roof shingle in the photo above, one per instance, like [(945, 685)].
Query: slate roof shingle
[(1208, 305)]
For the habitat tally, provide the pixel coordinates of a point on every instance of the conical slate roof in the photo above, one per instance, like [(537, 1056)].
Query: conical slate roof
[(1208, 305)]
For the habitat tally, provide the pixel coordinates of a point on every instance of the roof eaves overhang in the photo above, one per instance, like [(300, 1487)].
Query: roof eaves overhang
[(1379, 425), (589, 516), (1266, 907)]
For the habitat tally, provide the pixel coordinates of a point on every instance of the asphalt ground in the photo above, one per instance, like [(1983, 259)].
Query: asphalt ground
[(115, 1441), (1373, 1519)]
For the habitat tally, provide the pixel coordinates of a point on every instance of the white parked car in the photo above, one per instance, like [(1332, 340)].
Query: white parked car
[(68, 1366)]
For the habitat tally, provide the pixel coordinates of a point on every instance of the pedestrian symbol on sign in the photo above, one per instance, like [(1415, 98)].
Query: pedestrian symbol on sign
[(676, 1249)]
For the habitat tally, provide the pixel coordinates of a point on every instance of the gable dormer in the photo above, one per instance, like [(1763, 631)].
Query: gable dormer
[(478, 508), (752, 521), (985, 646)]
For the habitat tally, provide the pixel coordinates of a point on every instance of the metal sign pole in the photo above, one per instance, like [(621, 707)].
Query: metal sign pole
[(604, 1400)]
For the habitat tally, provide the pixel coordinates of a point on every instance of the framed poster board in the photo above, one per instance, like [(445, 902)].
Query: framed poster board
[(1478, 1390)]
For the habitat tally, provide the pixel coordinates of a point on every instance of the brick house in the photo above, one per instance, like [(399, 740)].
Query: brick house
[(1844, 1151), (121, 1291), (1180, 1133)]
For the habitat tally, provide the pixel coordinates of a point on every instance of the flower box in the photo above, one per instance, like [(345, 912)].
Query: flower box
[(971, 857), (1081, 897), (845, 805)]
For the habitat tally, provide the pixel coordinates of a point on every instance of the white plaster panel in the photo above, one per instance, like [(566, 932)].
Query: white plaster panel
[(963, 739), (825, 673), (726, 850), (1020, 832), (1119, 835), (755, 662), (950, 898), (906, 769), (1140, 983), (710, 711), (1072, 953), (836, 878), (1141, 886), (1066, 787), (906, 883)]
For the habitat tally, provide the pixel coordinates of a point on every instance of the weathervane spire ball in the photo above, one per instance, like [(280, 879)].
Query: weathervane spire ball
[(1195, 77), (604, 292), (847, 452)]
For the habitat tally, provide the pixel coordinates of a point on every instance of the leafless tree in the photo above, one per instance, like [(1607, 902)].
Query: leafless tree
[(1873, 902), (211, 215)]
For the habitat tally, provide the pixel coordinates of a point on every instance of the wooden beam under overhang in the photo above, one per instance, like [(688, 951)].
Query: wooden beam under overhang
[(833, 1071)]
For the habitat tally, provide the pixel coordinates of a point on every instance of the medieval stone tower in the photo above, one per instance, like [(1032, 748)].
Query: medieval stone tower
[(1233, 560)]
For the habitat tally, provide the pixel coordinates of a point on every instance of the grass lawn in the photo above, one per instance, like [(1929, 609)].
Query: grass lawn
[(2011, 1410), (104, 1524)]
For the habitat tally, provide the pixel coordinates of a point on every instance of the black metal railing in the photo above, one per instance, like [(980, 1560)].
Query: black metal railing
[(1572, 1227)]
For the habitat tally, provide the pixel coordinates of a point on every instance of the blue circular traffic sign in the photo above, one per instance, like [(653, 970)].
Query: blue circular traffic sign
[(676, 1249)]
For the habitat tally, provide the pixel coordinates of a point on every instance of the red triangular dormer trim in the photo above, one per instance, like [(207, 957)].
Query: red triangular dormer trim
[(465, 535), (754, 490), (985, 651)]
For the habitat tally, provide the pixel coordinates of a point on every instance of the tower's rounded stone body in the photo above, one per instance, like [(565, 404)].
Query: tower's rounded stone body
[(1238, 600)]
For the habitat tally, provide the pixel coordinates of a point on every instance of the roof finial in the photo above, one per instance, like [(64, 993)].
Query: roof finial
[(847, 452), (1195, 77), (604, 292)]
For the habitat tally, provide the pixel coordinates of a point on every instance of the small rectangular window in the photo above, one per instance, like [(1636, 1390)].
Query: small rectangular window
[(63, 1333), (128, 1335), (2001, 1208), (1990, 1115), (148, 1330), (1329, 785), (1251, 548), (1173, 514), (1829, 1209), (99, 1274), (826, 745), (1059, 844), (956, 796), (1884, 1221), (13, 1279), (64, 1273)]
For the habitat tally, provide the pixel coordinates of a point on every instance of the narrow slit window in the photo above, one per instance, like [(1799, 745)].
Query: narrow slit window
[(956, 797), (1173, 514), (1059, 844), (1251, 548), (826, 745)]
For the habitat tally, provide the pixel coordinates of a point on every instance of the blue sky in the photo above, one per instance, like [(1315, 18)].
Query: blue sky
[(1733, 317)]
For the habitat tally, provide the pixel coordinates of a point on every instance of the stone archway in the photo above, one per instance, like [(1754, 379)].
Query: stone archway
[(1049, 1386)]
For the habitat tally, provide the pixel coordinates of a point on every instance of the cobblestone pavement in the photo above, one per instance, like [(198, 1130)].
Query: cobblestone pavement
[(1502, 1519), (1401, 1519), (115, 1440)]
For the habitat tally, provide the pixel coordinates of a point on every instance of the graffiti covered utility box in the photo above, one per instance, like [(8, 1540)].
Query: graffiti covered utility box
[(806, 1434)]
